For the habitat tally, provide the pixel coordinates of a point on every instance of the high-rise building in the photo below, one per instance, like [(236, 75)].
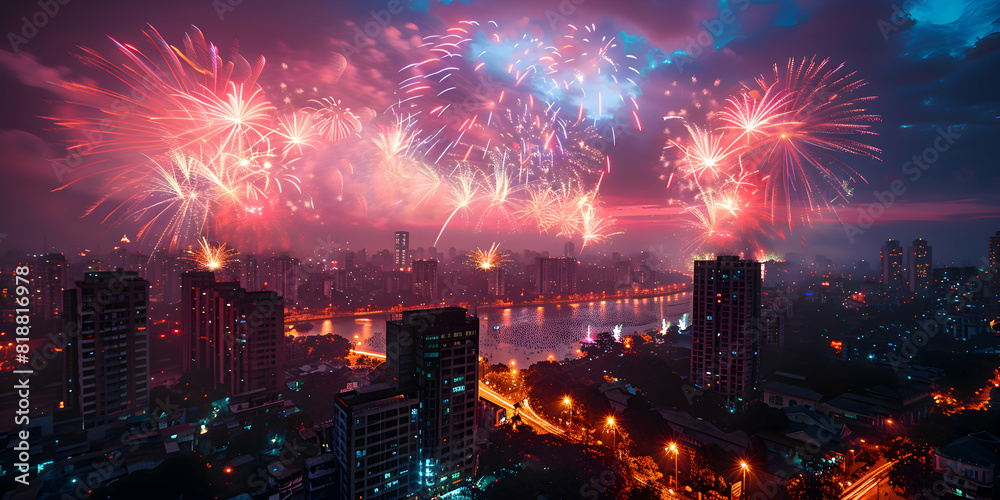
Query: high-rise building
[(496, 281), (994, 283), (375, 439), (725, 326), (282, 277), (918, 268), (249, 277), (236, 336), (425, 280), (893, 279), (569, 249), (401, 253), (959, 301), (556, 275), (435, 352), (50, 276), (107, 354)]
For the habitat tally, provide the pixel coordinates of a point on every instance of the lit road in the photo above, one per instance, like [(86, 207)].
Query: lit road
[(867, 483), (528, 415)]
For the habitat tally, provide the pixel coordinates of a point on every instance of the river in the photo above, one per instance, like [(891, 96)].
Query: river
[(528, 334)]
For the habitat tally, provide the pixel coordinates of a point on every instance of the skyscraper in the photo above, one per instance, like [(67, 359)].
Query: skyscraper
[(725, 326), (893, 279), (425, 283), (108, 357), (248, 279), (50, 270), (918, 268), (283, 278), (435, 352), (401, 255), (236, 336), (569, 249), (556, 275), (375, 439)]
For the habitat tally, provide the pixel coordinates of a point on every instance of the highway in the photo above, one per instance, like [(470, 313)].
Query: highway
[(528, 414), (862, 486)]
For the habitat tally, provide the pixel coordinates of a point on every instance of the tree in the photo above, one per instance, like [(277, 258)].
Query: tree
[(704, 480), (819, 482), (911, 472)]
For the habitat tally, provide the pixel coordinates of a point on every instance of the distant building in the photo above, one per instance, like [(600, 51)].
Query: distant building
[(994, 284), (49, 279), (107, 360), (782, 395), (435, 352), (249, 276), (960, 301), (283, 278), (556, 275), (425, 279), (401, 254), (775, 310), (725, 326), (569, 249), (496, 281), (397, 281), (918, 268), (893, 279), (375, 440)]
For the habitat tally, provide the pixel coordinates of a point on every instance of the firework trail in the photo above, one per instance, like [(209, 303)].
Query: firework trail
[(199, 147), (774, 151)]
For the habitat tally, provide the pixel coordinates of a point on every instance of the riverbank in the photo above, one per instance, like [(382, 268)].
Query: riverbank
[(293, 318)]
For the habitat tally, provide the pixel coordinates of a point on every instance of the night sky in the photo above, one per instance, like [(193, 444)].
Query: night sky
[(934, 69)]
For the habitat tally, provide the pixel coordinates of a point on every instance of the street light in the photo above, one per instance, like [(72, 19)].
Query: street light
[(745, 466), (672, 448), (569, 402), (611, 424)]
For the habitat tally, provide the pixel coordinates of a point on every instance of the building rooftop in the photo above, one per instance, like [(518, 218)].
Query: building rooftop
[(971, 451), (793, 390)]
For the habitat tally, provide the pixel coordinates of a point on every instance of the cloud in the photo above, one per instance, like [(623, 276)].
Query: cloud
[(31, 72)]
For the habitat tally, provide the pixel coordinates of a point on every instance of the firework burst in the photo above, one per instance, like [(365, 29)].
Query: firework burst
[(212, 256), (200, 145), (487, 259)]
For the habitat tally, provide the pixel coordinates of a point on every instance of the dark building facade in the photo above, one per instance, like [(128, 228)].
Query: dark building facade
[(556, 275), (435, 354), (235, 335), (726, 326), (107, 350)]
